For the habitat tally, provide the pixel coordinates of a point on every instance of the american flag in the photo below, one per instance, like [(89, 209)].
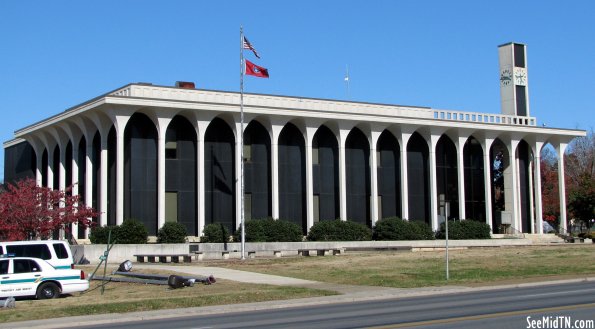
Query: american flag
[(248, 45)]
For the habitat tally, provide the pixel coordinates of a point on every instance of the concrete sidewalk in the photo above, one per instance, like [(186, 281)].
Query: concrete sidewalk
[(348, 293)]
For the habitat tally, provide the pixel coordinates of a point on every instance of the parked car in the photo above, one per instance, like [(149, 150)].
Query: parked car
[(55, 252), (28, 276)]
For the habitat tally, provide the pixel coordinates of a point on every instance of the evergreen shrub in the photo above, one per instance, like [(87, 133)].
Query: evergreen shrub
[(465, 230), (131, 232), (338, 230), (172, 232), (215, 233), (270, 230), (100, 234), (394, 228)]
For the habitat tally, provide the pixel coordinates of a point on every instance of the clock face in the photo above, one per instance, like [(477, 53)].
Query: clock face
[(520, 77), (505, 77)]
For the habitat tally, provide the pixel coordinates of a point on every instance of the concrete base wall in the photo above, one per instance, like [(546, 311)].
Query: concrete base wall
[(90, 254)]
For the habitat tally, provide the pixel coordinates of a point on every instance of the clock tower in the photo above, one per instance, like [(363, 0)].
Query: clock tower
[(514, 92)]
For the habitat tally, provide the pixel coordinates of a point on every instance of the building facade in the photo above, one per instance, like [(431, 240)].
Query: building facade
[(161, 154)]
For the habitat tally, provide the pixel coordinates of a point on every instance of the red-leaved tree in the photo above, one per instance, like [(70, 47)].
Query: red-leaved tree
[(28, 211)]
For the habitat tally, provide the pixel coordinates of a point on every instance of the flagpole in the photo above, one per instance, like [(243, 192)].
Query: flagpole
[(243, 226), (347, 80)]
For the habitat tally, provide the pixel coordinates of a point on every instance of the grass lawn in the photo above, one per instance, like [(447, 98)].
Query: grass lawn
[(131, 297), (468, 267)]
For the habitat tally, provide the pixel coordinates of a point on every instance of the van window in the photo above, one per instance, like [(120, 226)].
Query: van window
[(4, 266), (34, 250), (60, 250)]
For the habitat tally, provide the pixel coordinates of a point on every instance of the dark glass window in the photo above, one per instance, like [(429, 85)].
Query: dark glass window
[(25, 266), (521, 101), (4, 266), (519, 55), (35, 250), (60, 250)]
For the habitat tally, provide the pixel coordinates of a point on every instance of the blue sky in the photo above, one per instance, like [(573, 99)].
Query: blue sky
[(441, 54)]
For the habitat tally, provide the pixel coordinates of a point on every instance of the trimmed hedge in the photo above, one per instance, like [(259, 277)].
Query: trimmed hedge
[(466, 229), (172, 232), (338, 230), (394, 228), (270, 230), (215, 233), (130, 232), (99, 234)]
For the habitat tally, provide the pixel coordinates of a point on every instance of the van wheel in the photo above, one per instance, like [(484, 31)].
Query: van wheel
[(48, 290)]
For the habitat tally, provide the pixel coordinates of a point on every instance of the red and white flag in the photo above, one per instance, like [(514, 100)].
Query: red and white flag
[(255, 70), (248, 45)]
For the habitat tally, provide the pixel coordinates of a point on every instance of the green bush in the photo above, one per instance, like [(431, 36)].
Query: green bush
[(132, 232), (270, 230), (394, 228), (172, 232), (283, 231), (338, 230), (215, 233), (100, 234), (464, 230)]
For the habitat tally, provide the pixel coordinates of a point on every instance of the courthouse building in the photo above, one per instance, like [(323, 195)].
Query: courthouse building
[(158, 154)]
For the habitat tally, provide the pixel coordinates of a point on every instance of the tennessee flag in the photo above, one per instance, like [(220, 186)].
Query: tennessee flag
[(255, 70)]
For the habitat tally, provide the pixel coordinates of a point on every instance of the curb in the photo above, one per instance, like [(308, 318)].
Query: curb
[(388, 293)]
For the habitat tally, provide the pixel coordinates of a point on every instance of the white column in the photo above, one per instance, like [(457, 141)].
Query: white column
[(404, 139), (460, 145), (120, 125), (50, 178), (560, 149), (433, 182), (276, 131), (75, 182), (511, 186), (88, 176), (310, 131), (374, 211), (38, 169), (487, 176), (161, 181), (342, 175), (200, 161), (537, 187), (103, 182), (120, 176), (238, 173), (62, 169), (532, 220), (163, 123)]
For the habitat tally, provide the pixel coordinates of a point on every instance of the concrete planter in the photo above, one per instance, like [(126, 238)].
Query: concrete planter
[(90, 254)]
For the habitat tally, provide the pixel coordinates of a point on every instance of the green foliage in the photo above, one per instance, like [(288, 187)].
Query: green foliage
[(465, 230), (172, 232), (270, 230), (394, 228), (100, 234), (215, 233), (130, 232), (581, 199), (338, 230)]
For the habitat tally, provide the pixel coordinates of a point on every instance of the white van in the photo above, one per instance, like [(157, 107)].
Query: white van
[(55, 252)]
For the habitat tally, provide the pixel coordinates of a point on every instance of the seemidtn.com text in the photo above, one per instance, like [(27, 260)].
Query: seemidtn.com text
[(558, 322)]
